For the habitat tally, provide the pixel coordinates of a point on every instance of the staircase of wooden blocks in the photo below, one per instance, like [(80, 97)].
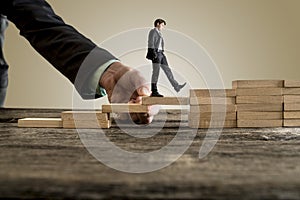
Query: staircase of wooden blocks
[(214, 108), (291, 101), (248, 104), (259, 103)]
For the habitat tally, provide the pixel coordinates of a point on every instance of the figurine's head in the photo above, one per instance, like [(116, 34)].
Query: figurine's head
[(159, 24)]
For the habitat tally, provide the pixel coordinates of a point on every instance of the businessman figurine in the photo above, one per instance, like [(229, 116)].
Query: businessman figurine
[(156, 55)]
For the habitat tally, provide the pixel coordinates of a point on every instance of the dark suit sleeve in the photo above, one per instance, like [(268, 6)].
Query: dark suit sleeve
[(151, 54), (59, 43)]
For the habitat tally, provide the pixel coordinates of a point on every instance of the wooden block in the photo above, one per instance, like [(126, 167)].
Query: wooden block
[(259, 99), (292, 106), (214, 124), (291, 115), (212, 100), (86, 124), (216, 116), (165, 100), (257, 84), (291, 122), (212, 92), (291, 91), (208, 108), (259, 107), (84, 115), (291, 99), (40, 123), (292, 83), (259, 91), (245, 115), (259, 123), (125, 108)]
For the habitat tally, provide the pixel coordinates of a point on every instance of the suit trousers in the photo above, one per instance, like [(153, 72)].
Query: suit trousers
[(161, 62), (3, 64)]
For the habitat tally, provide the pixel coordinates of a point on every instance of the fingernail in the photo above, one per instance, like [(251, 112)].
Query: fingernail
[(145, 91)]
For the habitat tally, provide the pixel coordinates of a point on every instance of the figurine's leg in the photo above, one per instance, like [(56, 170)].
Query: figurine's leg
[(154, 79)]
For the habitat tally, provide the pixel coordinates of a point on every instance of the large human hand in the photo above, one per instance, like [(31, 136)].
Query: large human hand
[(126, 85)]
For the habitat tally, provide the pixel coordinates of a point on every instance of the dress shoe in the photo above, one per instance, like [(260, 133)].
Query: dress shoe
[(156, 94), (179, 87)]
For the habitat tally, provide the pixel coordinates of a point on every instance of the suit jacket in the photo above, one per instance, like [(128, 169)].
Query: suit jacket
[(154, 39), (59, 43)]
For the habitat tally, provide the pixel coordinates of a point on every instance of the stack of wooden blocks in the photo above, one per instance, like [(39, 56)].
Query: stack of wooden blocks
[(70, 120), (259, 103), (291, 100), (212, 108), (85, 119)]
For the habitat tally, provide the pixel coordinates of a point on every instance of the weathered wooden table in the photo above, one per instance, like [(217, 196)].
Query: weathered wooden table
[(53, 163)]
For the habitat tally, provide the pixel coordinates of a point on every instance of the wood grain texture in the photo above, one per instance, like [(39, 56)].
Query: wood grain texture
[(216, 116), (259, 99), (259, 107), (259, 91), (291, 115), (292, 83), (259, 123), (212, 108), (257, 84), (86, 124), (212, 92), (291, 99), (165, 100), (125, 108), (84, 115), (291, 122), (291, 106), (204, 124), (291, 91), (244, 115), (212, 100), (40, 123)]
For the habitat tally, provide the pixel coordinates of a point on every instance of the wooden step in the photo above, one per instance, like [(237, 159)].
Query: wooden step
[(212, 93), (259, 123), (291, 122), (259, 107), (292, 83), (165, 100), (216, 116), (125, 108), (209, 107), (257, 84), (248, 115), (84, 115), (259, 99), (214, 124), (86, 124), (259, 91), (212, 100), (40, 123)]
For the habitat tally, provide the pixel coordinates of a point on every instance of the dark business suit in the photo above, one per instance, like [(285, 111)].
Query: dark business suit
[(156, 55), (3, 64), (57, 42)]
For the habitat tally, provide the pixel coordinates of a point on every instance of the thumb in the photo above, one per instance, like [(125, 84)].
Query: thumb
[(143, 91)]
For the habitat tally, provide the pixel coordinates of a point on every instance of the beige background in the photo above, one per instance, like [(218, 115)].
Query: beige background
[(247, 39)]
